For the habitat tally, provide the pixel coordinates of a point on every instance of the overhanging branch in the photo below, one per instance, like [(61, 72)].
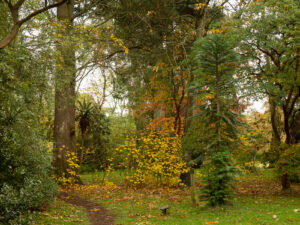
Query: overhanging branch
[(14, 11)]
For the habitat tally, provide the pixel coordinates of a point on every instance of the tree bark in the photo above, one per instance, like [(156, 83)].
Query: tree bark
[(275, 118), (186, 177), (285, 182), (64, 121), (200, 32), (276, 135), (276, 139), (218, 106)]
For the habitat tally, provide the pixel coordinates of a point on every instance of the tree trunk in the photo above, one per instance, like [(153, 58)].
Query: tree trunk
[(200, 32), (193, 188), (285, 182), (186, 177), (276, 140), (64, 121), (275, 118), (218, 106)]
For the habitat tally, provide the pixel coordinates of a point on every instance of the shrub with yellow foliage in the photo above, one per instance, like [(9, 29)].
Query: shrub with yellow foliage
[(155, 159), (70, 176)]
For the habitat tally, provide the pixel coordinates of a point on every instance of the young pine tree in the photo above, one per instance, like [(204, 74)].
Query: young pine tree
[(216, 85)]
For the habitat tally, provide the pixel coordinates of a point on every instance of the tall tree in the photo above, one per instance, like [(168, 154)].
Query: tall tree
[(65, 77), (216, 84), (270, 38)]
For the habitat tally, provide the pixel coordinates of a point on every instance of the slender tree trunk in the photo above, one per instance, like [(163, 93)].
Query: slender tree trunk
[(285, 181), (218, 106), (193, 187), (64, 122), (276, 139), (200, 31), (275, 118), (82, 149), (186, 177)]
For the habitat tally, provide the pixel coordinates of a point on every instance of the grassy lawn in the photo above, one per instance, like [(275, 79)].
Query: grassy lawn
[(258, 201), (63, 213), (115, 176), (244, 211), (255, 203), (143, 207)]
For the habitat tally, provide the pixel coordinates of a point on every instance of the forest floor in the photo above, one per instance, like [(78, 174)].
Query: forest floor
[(98, 215), (259, 200)]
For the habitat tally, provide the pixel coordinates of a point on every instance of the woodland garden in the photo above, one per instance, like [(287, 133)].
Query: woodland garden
[(149, 112)]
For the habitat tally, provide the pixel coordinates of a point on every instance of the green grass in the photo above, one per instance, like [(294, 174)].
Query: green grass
[(261, 175), (115, 176), (144, 208), (63, 213)]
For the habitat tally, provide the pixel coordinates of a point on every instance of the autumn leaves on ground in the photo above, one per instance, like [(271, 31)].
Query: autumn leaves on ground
[(259, 200)]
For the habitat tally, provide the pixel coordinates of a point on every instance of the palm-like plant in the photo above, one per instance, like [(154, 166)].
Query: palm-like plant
[(85, 111)]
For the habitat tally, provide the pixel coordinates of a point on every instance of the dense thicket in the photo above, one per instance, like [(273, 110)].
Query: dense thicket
[(25, 162)]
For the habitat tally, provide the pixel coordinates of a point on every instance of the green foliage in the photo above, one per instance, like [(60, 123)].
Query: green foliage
[(216, 59), (219, 176), (25, 163), (94, 140), (99, 138), (85, 111), (216, 86), (196, 138), (269, 34), (120, 127), (289, 162)]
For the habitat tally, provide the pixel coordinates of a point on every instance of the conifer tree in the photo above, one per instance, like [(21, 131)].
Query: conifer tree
[(216, 85)]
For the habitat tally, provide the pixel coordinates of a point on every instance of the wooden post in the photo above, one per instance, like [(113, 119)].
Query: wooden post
[(193, 195)]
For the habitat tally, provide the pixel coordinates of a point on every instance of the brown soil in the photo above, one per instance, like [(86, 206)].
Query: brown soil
[(97, 213)]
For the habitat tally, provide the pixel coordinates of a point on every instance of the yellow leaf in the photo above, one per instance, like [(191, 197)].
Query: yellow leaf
[(95, 210)]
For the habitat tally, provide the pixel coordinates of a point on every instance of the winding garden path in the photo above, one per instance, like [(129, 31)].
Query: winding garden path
[(97, 213)]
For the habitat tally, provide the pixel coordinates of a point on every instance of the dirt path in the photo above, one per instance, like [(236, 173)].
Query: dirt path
[(96, 212)]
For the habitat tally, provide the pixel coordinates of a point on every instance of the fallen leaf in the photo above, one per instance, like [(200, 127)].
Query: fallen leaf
[(95, 210)]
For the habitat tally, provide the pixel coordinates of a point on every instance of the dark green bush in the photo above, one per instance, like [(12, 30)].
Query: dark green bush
[(219, 176), (25, 163), (89, 168), (289, 162)]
